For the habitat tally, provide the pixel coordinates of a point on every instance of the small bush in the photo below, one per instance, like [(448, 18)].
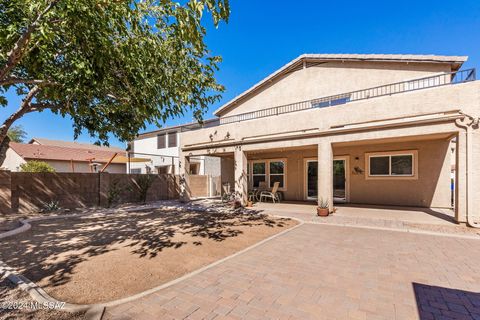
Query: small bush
[(143, 183), (51, 206), (113, 193), (36, 166)]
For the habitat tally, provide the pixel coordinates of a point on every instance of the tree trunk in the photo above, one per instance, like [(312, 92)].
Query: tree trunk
[(3, 148), (25, 107)]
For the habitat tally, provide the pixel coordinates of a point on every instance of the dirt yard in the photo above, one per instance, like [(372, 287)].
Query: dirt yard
[(91, 260), (9, 294)]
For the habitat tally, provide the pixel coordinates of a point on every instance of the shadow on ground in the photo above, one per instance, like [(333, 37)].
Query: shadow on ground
[(55, 247), (444, 303)]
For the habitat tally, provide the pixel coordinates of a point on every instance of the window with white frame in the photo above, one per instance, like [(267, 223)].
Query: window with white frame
[(277, 172), (267, 172), (391, 165), (259, 173)]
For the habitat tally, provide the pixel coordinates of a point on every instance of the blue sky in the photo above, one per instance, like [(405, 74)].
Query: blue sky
[(262, 36)]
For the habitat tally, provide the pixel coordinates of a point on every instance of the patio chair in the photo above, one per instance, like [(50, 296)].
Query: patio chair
[(227, 193), (262, 186), (271, 194)]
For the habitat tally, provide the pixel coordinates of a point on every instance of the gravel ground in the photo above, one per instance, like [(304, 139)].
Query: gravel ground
[(9, 295), (98, 259)]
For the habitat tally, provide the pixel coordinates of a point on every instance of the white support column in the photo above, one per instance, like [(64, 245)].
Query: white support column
[(241, 182), (325, 173), (184, 172)]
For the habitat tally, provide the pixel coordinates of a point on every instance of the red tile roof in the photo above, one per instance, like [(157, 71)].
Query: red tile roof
[(44, 152)]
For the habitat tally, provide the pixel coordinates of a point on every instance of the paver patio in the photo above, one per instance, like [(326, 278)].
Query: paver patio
[(329, 272)]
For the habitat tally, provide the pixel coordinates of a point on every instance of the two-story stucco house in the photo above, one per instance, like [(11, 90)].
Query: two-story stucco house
[(162, 148), (355, 128)]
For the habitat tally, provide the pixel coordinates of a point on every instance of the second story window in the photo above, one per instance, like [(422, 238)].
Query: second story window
[(172, 139), (161, 143), (332, 101)]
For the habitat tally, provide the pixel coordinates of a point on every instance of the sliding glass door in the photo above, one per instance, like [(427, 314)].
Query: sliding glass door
[(312, 179), (340, 183)]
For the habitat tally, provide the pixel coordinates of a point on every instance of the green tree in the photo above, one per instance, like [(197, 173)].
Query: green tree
[(110, 65), (36, 166), (16, 134)]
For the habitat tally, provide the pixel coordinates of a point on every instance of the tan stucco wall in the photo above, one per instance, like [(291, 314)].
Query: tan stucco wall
[(461, 96), (474, 172), (332, 78), (250, 134), (227, 172), (431, 189)]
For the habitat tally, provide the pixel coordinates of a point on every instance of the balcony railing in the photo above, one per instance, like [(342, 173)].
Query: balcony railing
[(385, 90)]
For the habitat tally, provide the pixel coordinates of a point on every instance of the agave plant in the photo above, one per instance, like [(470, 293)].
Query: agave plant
[(51, 206), (323, 204)]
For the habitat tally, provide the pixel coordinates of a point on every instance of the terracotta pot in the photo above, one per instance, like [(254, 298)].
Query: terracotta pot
[(322, 212)]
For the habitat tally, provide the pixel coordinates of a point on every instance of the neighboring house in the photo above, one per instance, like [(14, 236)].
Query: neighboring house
[(163, 148), (368, 129), (65, 156)]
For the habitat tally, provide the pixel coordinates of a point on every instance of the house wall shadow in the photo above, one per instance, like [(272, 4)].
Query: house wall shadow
[(434, 302)]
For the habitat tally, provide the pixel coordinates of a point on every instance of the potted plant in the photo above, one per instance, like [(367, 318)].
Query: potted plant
[(323, 208)]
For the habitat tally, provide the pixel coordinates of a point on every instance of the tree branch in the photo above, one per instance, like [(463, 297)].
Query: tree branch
[(16, 54), (12, 80), (24, 108), (42, 106)]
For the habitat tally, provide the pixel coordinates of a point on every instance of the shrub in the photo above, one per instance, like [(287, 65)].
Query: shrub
[(113, 193), (36, 166), (51, 206), (143, 183)]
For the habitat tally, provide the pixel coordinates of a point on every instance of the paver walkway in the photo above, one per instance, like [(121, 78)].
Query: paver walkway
[(329, 272)]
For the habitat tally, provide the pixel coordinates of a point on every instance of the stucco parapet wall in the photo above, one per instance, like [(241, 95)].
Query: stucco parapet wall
[(414, 121), (465, 97)]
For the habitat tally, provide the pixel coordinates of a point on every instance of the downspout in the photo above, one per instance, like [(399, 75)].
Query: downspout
[(466, 123)]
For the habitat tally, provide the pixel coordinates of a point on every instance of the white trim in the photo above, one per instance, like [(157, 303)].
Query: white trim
[(390, 154), (305, 178), (346, 159), (267, 171), (257, 174)]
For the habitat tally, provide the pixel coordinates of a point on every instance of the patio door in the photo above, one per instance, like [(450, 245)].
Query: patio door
[(340, 183), (311, 179)]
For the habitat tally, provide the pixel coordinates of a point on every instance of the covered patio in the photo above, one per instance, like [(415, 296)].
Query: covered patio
[(408, 177), (379, 163)]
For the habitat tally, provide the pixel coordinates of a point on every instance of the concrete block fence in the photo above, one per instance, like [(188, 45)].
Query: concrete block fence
[(22, 192)]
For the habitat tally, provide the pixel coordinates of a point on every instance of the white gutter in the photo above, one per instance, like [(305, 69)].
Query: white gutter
[(466, 123)]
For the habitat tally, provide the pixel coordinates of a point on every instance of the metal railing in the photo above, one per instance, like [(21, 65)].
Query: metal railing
[(384, 90)]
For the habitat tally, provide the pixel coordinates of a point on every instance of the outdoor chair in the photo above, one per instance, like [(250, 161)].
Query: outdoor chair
[(271, 194), (227, 193), (255, 193)]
